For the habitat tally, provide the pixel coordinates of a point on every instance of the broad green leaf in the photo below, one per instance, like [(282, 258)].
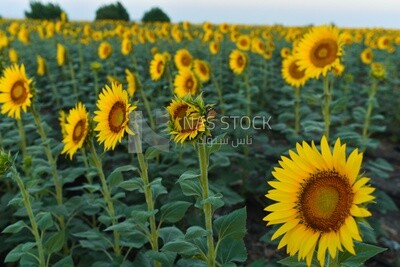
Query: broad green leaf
[(181, 247), (191, 187), (363, 253), (231, 250), (44, 220), (15, 227), (65, 262), (132, 184), (232, 225), (174, 211), (165, 257), (195, 232), (55, 242), (169, 234)]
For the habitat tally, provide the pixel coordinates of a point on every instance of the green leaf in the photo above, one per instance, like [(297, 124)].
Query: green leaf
[(169, 234), (132, 184), (363, 253), (174, 211), (151, 153), (16, 253), (195, 232), (292, 261), (191, 187), (141, 216), (115, 178), (181, 247), (121, 227), (215, 201), (15, 227), (65, 262), (164, 257), (190, 174), (231, 250), (192, 263), (158, 188), (55, 242), (232, 225), (44, 220)]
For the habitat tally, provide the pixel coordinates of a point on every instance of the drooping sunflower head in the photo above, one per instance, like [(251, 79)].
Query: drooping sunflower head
[(132, 82), (105, 50), (61, 54), (183, 59), (126, 46), (15, 91), (319, 50), (202, 70), (112, 116), (186, 83), (187, 122), (76, 129), (292, 74), (157, 67), (237, 61), (319, 195), (41, 65), (367, 56)]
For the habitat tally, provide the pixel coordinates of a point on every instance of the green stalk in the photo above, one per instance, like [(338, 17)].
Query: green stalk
[(72, 73), (367, 120), (52, 163), (326, 108), (107, 197), (207, 208), (219, 92), (248, 94), (169, 74), (22, 137), (55, 94), (28, 207), (149, 197), (297, 111), (147, 106), (96, 83)]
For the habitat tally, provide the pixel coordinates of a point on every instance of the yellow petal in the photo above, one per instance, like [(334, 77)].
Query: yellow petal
[(280, 207), (360, 182), (326, 152), (353, 165), (346, 240), (323, 245), (352, 227), (359, 212), (284, 228)]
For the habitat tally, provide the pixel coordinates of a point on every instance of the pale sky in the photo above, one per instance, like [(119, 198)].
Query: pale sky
[(344, 13)]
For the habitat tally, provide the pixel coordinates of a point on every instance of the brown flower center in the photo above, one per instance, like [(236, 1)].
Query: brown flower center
[(240, 61), (117, 117), (160, 65), (295, 72), (18, 92), (186, 60), (189, 84), (79, 131), (325, 201), (324, 53)]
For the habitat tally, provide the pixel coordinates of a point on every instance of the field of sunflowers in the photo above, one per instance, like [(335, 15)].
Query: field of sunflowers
[(126, 144)]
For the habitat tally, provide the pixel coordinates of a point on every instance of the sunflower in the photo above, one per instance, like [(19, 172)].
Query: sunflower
[(126, 46), (186, 83), (214, 47), (41, 68), (338, 70), (383, 42), (104, 50), (285, 52), (319, 197), (186, 119), (237, 61), (243, 42), (132, 82), (61, 54), (113, 115), (76, 129), (319, 50), (13, 55), (367, 56), (157, 67), (62, 118), (183, 59), (378, 70), (202, 70), (15, 91), (292, 74)]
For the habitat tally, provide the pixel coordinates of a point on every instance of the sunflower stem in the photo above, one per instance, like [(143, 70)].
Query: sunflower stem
[(148, 196), (297, 111), (219, 92), (327, 103), (86, 162), (53, 166), (207, 208), (22, 137), (248, 94), (147, 106), (107, 196), (169, 74), (55, 93), (32, 219), (96, 82), (367, 120), (73, 79)]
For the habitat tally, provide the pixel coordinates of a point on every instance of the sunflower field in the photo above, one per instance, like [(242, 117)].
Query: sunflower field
[(160, 144)]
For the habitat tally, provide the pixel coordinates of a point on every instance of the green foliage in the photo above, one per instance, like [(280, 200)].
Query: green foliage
[(155, 15), (114, 11), (47, 11)]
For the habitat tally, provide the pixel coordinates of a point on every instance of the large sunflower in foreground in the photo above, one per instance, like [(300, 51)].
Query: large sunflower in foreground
[(319, 50), (76, 129), (113, 115), (319, 196), (292, 74), (15, 91), (237, 61), (186, 83)]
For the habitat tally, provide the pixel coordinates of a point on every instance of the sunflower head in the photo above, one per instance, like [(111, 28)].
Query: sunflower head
[(319, 50), (95, 66), (13, 55), (126, 46), (41, 65), (237, 61), (202, 70), (15, 91), (186, 83), (61, 54), (132, 82), (292, 74), (62, 118), (112, 116), (187, 119), (157, 67), (5, 162), (285, 52), (183, 59), (214, 47), (378, 71), (319, 194), (367, 56), (104, 50), (243, 42), (76, 129)]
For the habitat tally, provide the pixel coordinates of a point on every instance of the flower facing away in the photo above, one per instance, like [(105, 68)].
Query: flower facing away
[(13, 55), (126, 46), (319, 51), (15, 91), (41, 65), (104, 50), (319, 195), (112, 116), (157, 67), (186, 83), (237, 61), (132, 82), (183, 59), (292, 74), (61, 54), (202, 70), (76, 129), (187, 121)]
